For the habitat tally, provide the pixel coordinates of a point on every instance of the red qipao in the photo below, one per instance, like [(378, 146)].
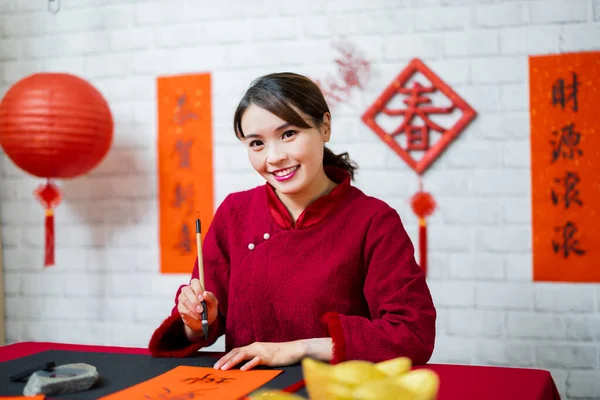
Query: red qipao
[(345, 270)]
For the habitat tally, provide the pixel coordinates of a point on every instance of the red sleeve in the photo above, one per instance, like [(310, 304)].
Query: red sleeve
[(169, 339), (403, 315)]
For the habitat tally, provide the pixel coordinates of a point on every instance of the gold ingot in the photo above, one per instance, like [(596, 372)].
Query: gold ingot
[(383, 389), (395, 367), (275, 395), (355, 372), (423, 382), (333, 391)]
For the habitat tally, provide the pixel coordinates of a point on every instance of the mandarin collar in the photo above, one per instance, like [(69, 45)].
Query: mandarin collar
[(317, 210)]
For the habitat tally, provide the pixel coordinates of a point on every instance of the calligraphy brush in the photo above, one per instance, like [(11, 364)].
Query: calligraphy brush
[(201, 275)]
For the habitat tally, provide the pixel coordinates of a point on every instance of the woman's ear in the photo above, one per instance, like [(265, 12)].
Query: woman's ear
[(326, 127)]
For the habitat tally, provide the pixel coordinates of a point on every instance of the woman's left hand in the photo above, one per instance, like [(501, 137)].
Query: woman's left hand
[(261, 353)]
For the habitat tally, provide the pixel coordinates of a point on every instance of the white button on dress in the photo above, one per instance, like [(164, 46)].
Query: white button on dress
[(251, 246), (266, 236)]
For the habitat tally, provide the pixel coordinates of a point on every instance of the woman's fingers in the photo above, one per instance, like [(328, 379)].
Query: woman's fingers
[(232, 358), (251, 364), (195, 285), (211, 300), (225, 358), (190, 302), (235, 360)]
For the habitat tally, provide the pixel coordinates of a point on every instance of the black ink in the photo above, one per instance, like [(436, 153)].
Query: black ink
[(182, 115), (185, 241), (194, 394), (182, 149), (567, 143), (208, 378), (563, 94), (184, 195), (568, 243), (569, 193)]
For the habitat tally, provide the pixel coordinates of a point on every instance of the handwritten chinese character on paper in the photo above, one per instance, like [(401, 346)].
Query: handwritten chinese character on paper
[(167, 394), (208, 378), (182, 113), (568, 243), (567, 192), (183, 151), (184, 195), (184, 240), (563, 94), (186, 382), (567, 143)]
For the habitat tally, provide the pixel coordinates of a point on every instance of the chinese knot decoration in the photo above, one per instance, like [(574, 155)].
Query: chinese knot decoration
[(414, 129), (54, 125)]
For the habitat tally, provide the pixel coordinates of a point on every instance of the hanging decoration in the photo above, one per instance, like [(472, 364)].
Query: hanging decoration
[(54, 125), (413, 135), (565, 159), (353, 72), (185, 167)]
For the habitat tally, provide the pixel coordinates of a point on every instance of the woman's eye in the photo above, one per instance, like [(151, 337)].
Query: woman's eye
[(288, 134), (256, 143)]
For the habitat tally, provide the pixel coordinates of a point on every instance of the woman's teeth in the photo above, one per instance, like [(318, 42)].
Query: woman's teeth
[(285, 172)]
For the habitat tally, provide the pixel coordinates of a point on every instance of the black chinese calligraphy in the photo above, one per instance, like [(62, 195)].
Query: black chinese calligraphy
[(418, 105), (567, 143), (568, 243), (182, 113), (184, 242), (568, 193), (167, 394), (563, 95), (182, 150), (184, 195), (208, 378)]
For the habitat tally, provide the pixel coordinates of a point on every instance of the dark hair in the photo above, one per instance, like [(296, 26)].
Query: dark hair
[(276, 93)]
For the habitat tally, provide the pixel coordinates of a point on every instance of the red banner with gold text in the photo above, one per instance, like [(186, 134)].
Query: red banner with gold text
[(185, 167), (565, 166)]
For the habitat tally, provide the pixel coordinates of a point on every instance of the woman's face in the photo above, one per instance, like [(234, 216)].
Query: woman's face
[(286, 156)]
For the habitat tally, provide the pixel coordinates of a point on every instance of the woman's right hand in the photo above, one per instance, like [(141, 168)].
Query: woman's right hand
[(190, 309)]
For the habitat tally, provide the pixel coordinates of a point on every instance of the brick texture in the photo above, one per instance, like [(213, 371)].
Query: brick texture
[(106, 288)]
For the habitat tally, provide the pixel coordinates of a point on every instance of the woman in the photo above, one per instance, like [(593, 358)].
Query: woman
[(306, 265)]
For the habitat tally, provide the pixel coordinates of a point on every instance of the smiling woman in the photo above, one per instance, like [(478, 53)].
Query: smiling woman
[(286, 123), (306, 265)]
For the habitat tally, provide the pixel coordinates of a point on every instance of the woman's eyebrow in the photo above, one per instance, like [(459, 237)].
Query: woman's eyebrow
[(280, 127), (283, 126)]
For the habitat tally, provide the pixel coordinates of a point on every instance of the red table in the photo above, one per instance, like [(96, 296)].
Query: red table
[(464, 382)]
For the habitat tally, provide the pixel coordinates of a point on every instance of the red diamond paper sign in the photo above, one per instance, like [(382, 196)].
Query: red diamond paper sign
[(402, 134)]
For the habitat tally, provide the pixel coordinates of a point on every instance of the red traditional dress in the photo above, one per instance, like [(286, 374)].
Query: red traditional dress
[(345, 270)]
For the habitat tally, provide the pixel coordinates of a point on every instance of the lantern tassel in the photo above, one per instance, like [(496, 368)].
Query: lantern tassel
[(49, 195), (49, 250), (423, 244)]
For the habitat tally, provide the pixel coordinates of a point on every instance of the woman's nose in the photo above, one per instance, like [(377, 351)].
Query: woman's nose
[(275, 155)]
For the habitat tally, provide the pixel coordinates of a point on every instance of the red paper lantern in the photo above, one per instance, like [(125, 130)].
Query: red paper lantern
[(54, 125)]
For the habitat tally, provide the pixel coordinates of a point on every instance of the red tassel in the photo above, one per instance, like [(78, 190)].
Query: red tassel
[(49, 195), (49, 250), (423, 206), (423, 244)]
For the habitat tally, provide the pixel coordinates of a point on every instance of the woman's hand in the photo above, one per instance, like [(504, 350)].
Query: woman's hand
[(190, 309), (260, 353)]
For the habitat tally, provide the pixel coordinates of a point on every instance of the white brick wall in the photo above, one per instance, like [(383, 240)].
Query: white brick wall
[(106, 288)]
